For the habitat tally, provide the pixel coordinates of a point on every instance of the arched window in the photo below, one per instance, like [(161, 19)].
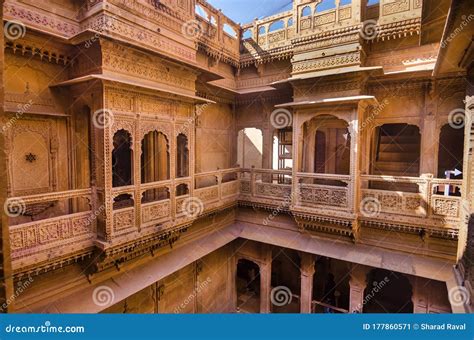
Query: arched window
[(155, 158), (306, 11), (122, 159), (202, 12), (345, 2), (247, 34), (290, 22), (325, 5), (230, 30), (276, 25), (261, 30), (213, 21), (250, 148), (182, 156)]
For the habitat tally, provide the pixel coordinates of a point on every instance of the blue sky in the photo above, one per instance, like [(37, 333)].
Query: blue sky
[(244, 11)]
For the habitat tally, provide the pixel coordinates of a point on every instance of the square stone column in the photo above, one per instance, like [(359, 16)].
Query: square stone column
[(357, 284), (266, 280), (265, 287), (307, 273)]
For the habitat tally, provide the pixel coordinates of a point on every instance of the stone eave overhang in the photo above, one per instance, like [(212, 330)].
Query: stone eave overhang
[(118, 78), (330, 101)]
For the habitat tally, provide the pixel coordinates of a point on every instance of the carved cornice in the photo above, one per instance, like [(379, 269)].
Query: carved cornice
[(115, 256)]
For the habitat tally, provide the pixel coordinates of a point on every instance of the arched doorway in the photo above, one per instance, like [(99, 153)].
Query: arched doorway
[(250, 148), (286, 274), (331, 286), (248, 286), (396, 152), (387, 292)]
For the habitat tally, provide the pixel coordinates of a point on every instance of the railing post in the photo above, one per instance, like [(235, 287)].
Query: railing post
[(425, 190), (219, 182), (252, 181)]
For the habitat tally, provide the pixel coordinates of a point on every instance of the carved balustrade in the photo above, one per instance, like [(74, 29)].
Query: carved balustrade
[(437, 201), (216, 189), (265, 188), (214, 38), (323, 190), (46, 227)]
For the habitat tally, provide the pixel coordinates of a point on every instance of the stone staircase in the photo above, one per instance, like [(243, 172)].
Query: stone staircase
[(397, 154)]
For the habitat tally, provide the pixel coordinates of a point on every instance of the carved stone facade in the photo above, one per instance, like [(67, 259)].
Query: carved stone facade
[(121, 135)]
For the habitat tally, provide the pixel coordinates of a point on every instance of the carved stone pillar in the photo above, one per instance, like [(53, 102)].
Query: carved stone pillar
[(266, 280), (267, 154), (265, 287), (357, 284), (307, 273), (420, 302), (429, 146)]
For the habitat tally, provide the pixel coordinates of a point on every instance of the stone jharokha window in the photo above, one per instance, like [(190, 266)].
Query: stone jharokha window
[(306, 11), (155, 158), (229, 30), (276, 25), (122, 159), (182, 156)]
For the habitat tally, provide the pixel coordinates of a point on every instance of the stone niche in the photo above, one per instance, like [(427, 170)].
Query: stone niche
[(36, 155)]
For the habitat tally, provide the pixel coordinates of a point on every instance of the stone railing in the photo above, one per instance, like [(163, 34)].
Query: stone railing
[(216, 189), (151, 208), (323, 191), (215, 34), (64, 229), (417, 201), (416, 197), (265, 187)]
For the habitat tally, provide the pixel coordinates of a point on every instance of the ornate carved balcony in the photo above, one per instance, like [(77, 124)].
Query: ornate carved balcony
[(321, 203)]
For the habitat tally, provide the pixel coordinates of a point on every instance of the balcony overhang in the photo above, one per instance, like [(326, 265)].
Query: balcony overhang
[(121, 79), (330, 101), (456, 49), (373, 71)]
